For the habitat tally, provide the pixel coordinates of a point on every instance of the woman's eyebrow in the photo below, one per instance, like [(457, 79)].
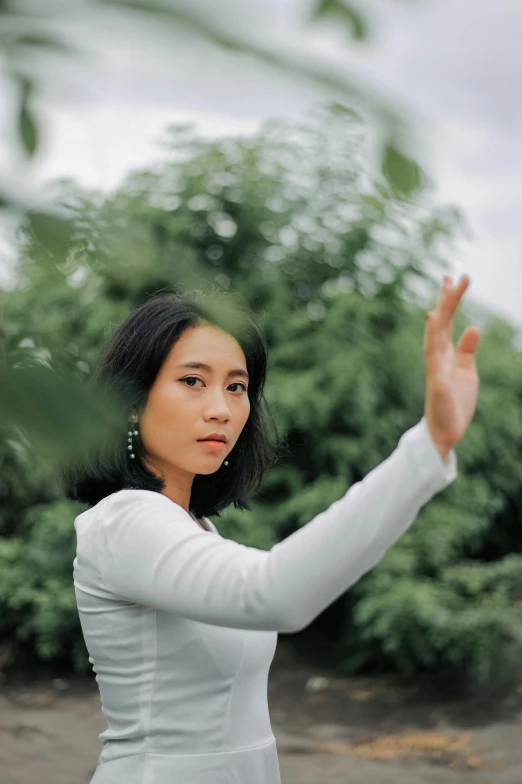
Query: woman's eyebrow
[(209, 369)]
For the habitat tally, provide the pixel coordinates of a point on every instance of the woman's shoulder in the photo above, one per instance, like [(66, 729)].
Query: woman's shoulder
[(129, 497), (130, 500)]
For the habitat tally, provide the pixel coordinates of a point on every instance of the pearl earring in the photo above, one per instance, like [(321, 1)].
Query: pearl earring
[(225, 462), (130, 434)]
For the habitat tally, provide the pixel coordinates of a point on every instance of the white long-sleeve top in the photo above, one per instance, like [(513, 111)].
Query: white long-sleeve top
[(181, 624)]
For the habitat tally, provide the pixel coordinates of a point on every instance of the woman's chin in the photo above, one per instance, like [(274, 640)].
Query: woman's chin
[(208, 469)]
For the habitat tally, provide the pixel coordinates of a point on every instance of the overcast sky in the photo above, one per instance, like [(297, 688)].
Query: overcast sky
[(456, 65)]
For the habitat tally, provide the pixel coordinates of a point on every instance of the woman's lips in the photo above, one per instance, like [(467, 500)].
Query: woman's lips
[(214, 446)]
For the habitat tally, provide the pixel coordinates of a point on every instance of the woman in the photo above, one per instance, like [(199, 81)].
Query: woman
[(180, 623)]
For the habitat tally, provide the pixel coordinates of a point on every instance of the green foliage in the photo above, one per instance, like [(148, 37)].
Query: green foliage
[(339, 271), (441, 625), (36, 589)]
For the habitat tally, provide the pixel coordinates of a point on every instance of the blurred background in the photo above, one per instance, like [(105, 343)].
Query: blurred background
[(329, 161)]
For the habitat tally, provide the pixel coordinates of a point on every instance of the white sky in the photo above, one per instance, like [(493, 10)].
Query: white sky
[(456, 65)]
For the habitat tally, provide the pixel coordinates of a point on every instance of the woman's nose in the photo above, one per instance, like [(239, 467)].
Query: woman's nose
[(217, 406)]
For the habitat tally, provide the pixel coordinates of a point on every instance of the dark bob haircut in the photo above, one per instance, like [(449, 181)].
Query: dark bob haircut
[(129, 364)]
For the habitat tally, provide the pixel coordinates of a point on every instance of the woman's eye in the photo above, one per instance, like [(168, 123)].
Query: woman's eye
[(190, 378), (194, 378)]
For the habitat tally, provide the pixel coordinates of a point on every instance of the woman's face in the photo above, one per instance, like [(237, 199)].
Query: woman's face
[(187, 404)]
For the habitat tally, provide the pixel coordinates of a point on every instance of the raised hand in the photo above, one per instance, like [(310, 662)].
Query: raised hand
[(452, 380)]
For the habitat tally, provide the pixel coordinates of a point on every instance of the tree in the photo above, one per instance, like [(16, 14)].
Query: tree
[(339, 272)]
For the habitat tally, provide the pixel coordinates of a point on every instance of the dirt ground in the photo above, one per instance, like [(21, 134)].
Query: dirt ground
[(329, 730)]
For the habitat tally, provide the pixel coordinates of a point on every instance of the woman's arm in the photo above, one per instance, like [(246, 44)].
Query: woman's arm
[(151, 552)]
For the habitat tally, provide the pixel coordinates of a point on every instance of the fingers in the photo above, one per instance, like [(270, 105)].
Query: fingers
[(439, 324), (467, 347), (450, 298), (432, 341)]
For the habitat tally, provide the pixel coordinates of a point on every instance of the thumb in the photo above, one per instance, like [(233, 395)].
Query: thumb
[(467, 347)]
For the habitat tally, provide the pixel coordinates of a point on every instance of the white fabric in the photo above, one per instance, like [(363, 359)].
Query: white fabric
[(181, 624)]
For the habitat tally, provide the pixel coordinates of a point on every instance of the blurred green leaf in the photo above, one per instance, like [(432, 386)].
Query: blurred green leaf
[(343, 12), (402, 173), (222, 310), (26, 122), (43, 41), (56, 411), (50, 233)]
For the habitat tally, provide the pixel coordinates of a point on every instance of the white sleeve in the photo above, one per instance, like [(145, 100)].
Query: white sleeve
[(151, 552)]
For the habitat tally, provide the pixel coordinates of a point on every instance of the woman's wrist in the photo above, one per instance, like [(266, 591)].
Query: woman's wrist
[(443, 451)]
